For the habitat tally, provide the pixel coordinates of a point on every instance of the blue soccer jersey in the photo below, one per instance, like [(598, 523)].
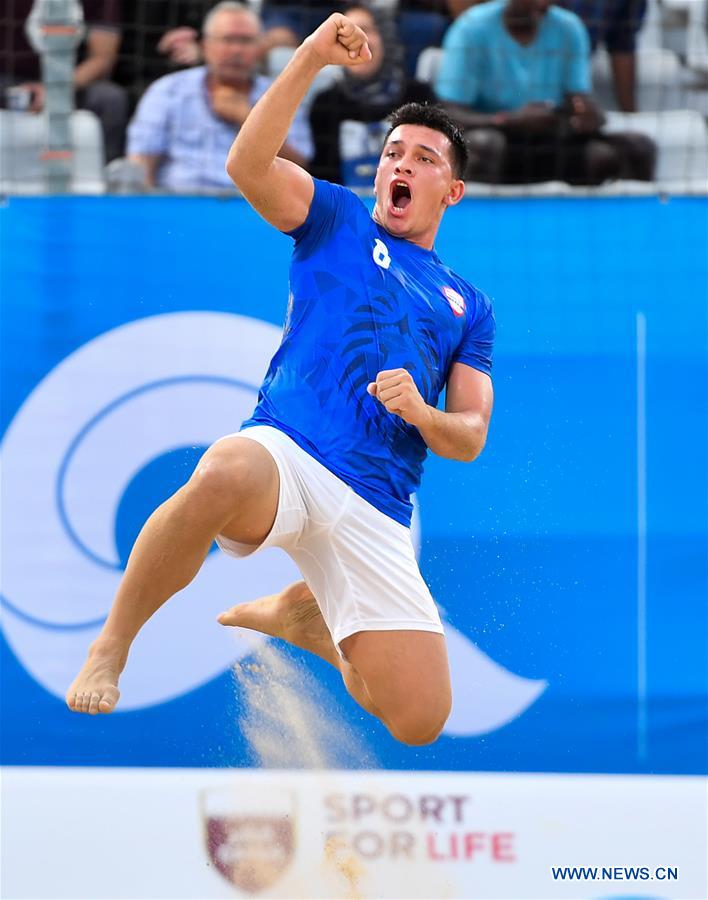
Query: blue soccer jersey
[(362, 300)]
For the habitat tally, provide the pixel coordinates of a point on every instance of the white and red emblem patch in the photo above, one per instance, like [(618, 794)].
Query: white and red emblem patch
[(456, 300)]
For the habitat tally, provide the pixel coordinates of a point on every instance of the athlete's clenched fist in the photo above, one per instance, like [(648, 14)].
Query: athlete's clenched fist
[(339, 42), (397, 391)]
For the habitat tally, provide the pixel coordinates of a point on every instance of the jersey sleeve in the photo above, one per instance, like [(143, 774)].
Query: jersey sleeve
[(476, 347), (577, 62), (331, 205), (458, 79)]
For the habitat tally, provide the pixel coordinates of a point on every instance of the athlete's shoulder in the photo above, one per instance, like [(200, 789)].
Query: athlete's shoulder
[(333, 208), (476, 301), (476, 343), (330, 194)]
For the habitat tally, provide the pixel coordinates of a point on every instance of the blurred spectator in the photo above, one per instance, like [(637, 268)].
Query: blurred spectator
[(186, 122), (287, 24), (367, 93), (159, 36), (421, 24), (181, 46), (615, 23), (96, 58), (516, 75), (457, 7)]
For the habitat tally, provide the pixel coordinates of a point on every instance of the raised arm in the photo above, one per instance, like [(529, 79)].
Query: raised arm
[(276, 188)]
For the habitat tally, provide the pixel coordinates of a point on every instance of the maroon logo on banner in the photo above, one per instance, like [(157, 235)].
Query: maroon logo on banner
[(251, 851)]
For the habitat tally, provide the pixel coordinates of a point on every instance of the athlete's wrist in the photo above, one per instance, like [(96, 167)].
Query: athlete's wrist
[(308, 56), (424, 421)]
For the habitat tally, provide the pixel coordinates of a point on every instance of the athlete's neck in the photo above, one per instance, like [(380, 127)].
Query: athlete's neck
[(426, 240)]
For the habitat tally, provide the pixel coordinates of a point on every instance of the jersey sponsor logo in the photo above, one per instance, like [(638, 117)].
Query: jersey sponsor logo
[(455, 299), (381, 254), (126, 400)]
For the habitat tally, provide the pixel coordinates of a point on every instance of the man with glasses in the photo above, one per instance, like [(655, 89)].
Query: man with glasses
[(186, 122)]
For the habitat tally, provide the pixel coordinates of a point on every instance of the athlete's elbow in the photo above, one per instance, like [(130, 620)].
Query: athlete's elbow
[(459, 452), (469, 454), (234, 166), (476, 439), (246, 169), (240, 163), (473, 456), (472, 449)]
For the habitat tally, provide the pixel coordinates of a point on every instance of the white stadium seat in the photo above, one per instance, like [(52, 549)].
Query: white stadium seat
[(697, 37), (681, 137), (661, 80), (678, 25), (23, 138), (385, 7), (428, 64)]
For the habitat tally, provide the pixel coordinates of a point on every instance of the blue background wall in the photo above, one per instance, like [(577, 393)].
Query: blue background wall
[(541, 532)]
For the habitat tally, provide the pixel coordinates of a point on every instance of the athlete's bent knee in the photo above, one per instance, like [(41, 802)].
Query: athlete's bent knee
[(418, 729), (219, 478)]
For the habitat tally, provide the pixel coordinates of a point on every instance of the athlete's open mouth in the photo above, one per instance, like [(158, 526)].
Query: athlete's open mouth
[(400, 195)]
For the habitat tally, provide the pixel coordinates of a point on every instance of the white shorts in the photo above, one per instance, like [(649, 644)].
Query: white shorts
[(359, 563)]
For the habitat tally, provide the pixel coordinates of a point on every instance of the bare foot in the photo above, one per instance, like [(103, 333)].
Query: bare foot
[(292, 615), (95, 688)]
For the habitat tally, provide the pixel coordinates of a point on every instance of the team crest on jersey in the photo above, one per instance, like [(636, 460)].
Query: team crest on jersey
[(455, 299)]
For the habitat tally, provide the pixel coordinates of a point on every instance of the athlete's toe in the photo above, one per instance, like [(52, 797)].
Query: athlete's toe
[(108, 701), (232, 616), (85, 701), (93, 703)]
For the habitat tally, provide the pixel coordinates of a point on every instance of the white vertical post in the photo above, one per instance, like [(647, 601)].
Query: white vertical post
[(55, 29), (641, 399)]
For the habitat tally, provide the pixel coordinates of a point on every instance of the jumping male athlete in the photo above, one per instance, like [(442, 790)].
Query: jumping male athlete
[(376, 327)]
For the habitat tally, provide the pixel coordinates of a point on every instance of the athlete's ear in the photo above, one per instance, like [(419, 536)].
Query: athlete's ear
[(456, 192)]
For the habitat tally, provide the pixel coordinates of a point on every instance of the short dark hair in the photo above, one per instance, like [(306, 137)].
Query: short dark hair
[(435, 117)]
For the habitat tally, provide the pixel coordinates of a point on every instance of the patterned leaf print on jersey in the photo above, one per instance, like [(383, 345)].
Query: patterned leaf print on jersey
[(364, 301)]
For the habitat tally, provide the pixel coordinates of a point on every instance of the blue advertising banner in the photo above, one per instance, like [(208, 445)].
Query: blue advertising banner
[(569, 560)]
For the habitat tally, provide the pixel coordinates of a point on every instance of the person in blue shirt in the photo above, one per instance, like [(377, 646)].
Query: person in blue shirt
[(377, 325), (516, 75), (186, 122)]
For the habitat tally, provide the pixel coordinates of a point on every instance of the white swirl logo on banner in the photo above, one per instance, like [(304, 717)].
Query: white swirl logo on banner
[(99, 418)]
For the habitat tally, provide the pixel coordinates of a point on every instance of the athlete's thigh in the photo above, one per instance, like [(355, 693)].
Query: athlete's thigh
[(402, 670), (247, 470)]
